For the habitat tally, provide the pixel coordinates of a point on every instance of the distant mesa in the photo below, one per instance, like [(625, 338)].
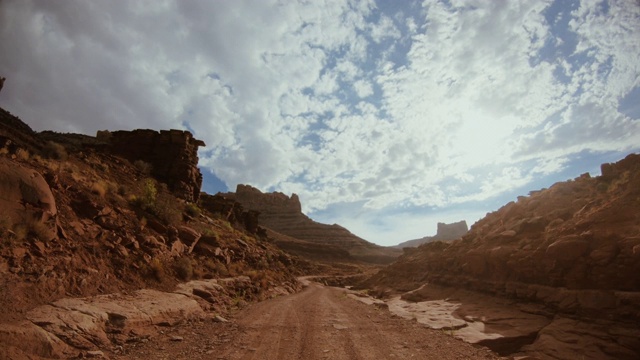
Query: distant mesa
[(446, 232), (283, 215)]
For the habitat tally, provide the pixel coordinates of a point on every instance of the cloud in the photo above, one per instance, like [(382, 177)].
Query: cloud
[(360, 105), (363, 88)]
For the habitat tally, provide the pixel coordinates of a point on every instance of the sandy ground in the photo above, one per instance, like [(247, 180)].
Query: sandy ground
[(317, 323)]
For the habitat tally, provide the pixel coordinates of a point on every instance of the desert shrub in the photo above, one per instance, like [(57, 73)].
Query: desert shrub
[(100, 166), (143, 166), (192, 210), (53, 150), (6, 229), (149, 194), (54, 166), (31, 228), (112, 187), (99, 188), (167, 209), (216, 266), (158, 203), (22, 154), (157, 270), (236, 269), (207, 231), (184, 268), (69, 168), (221, 269), (227, 225)]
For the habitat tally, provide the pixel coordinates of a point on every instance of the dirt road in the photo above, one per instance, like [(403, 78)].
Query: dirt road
[(317, 323)]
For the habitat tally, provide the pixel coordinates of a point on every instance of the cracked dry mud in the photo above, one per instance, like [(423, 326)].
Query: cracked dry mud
[(317, 323)]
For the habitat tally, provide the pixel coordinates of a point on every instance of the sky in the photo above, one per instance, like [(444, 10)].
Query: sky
[(385, 116)]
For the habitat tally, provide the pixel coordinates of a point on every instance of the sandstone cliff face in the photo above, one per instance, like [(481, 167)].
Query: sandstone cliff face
[(445, 232), (282, 214), (173, 155), (69, 229), (574, 247), (25, 198), (451, 231)]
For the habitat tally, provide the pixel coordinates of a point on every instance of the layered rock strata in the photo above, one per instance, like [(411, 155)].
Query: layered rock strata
[(445, 232), (283, 214), (574, 247), (172, 154)]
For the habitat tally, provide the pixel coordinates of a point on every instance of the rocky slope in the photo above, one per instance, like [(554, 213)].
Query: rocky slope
[(78, 219), (574, 248), (445, 232), (283, 214)]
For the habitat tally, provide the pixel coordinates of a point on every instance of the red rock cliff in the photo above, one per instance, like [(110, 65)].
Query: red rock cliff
[(283, 214), (574, 247), (173, 155)]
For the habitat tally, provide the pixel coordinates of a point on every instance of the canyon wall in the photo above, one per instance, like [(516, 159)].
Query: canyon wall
[(444, 232), (574, 248), (172, 154), (283, 214)]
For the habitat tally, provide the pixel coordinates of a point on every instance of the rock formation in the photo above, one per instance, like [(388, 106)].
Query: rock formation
[(172, 154), (72, 225), (283, 214), (232, 211), (574, 248), (26, 201), (445, 232)]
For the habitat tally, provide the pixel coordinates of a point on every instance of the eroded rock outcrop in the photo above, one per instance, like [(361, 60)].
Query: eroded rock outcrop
[(26, 201), (172, 154), (232, 211), (445, 232), (574, 247), (283, 214), (76, 327)]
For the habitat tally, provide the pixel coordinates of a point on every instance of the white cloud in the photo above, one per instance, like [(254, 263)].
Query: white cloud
[(363, 88), (451, 103)]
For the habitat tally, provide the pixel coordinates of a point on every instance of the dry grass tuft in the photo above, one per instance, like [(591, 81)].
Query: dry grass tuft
[(53, 150), (22, 154), (99, 188), (143, 166), (184, 268)]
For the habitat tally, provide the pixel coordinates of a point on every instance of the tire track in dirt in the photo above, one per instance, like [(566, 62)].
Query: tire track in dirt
[(319, 323), (323, 323)]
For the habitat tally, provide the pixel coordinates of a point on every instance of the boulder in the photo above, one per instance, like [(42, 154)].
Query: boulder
[(27, 200)]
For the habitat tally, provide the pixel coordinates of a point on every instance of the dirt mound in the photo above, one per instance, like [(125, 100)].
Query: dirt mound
[(574, 247)]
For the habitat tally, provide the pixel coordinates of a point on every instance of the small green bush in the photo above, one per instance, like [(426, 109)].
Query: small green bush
[(184, 268), (53, 150), (149, 195), (143, 166), (157, 269), (192, 210)]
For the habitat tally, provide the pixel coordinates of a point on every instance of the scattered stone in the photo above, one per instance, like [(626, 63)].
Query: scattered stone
[(220, 319), (176, 338), (94, 354)]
